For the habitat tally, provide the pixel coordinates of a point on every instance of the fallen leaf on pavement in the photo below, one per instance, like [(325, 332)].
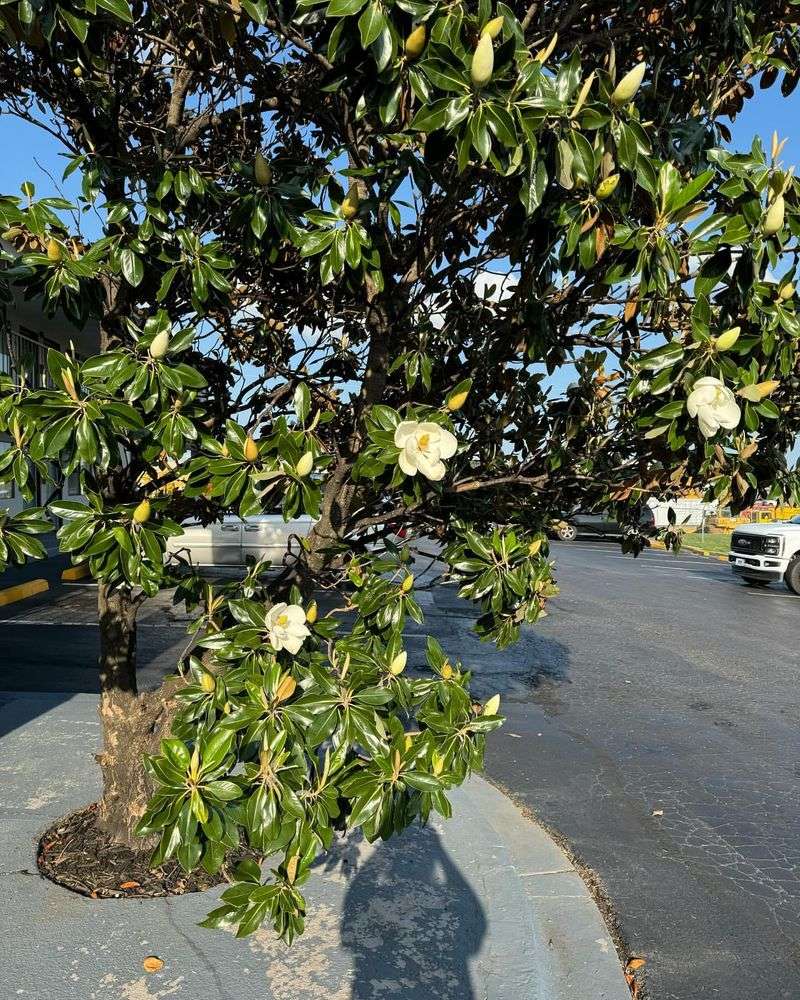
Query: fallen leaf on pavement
[(152, 964), (129, 885), (634, 964)]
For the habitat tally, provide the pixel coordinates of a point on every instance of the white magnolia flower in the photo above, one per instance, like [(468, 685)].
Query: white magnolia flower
[(286, 625), (422, 446), (714, 405)]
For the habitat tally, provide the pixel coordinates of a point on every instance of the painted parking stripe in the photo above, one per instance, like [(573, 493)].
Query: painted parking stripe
[(23, 590), (82, 624)]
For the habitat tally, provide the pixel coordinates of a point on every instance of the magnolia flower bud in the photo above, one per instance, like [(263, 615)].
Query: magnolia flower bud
[(407, 584), (492, 706), (457, 400), (607, 187), (53, 250), (304, 465), (207, 682), (312, 613), (482, 62), (776, 215), (159, 345), (415, 43), (250, 450), (351, 203), (494, 27), (262, 170), (142, 512), (628, 86), (398, 664), (727, 339)]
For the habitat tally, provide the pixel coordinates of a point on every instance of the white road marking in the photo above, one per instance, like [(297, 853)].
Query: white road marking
[(772, 593)]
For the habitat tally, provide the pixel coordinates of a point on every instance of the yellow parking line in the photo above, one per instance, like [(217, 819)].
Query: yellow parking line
[(76, 572), (22, 590)]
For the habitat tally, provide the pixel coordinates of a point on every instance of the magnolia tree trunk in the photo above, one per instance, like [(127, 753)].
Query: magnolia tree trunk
[(132, 723)]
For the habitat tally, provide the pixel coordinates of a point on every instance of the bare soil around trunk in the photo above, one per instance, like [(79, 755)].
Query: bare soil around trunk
[(78, 855)]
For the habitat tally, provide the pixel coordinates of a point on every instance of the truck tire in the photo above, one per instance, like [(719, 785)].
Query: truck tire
[(792, 575), (752, 581), (566, 532)]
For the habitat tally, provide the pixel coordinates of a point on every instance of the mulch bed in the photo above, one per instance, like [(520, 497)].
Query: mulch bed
[(75, 854)]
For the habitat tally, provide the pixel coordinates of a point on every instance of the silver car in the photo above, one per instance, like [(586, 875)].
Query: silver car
[(229, 542)]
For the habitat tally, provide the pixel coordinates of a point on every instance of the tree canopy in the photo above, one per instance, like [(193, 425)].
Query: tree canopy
[(337, 253)]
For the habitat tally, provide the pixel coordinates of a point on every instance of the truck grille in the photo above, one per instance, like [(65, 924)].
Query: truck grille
[(752, 544)]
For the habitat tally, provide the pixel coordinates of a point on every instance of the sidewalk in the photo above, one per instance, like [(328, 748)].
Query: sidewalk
[(481, 907)]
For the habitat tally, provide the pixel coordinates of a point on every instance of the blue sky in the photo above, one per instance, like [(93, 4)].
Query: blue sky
[(34, 153), (30, 151)]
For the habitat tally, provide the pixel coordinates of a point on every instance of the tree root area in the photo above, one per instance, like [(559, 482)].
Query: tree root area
[(75, 854)]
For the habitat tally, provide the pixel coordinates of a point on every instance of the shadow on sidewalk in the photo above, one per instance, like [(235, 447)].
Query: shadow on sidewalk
[(410, 920)]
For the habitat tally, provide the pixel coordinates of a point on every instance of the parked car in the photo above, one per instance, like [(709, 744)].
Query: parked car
[(601, 522), (765, 553), (229, 542)]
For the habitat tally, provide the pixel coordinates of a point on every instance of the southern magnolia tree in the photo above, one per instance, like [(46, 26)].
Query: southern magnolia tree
[(335, 252)]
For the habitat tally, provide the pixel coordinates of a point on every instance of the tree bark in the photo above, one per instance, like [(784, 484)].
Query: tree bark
[(132, 723)]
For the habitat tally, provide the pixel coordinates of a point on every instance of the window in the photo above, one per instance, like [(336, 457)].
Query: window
[(74, 484), (7, 490)]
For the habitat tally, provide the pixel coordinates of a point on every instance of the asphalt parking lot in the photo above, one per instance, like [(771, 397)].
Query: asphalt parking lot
[(653, 724), (659, 736)]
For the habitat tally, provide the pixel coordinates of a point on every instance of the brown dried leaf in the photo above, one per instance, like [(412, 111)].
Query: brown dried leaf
[(634, 964), (152, 964), (129, 885), (631, 308)]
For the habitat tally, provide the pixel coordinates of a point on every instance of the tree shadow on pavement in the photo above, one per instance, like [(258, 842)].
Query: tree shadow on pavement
[(410, 920)]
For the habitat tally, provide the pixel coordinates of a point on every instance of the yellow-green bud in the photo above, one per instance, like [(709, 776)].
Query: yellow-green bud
[(351, 203), (607, 187), (482, 62), (159, 345), (726, 340), (262, 170), (776, 215), (628, 86), (492, 706), (142, 512), (456, 401), (398, 664), (250, 450), (415, 43), (304, 465), (494, 27)]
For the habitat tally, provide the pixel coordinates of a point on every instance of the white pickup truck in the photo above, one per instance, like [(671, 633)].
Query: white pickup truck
[(765, 553)]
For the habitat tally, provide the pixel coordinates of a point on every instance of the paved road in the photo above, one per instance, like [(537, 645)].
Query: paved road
[(652, 721), (659, 735)]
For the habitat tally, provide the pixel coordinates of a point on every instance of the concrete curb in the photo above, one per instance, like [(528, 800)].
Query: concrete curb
[(75, 572), (22, 590), (695, 552), (483, 906)]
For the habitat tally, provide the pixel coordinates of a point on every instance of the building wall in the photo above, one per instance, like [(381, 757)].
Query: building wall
[(24, 339)]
